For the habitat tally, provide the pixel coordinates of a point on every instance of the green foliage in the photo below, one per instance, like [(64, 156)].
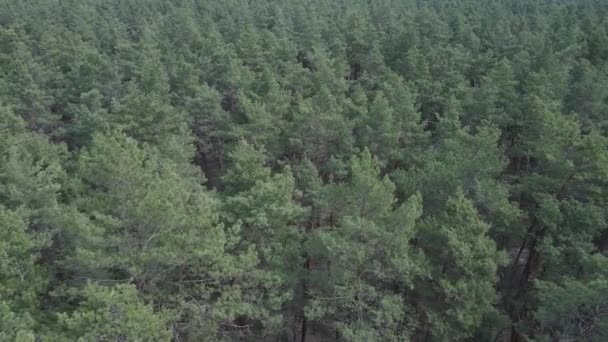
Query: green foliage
[(463, 262), (22, 279), (262, 205), (31, 171), (396, 170), (364, 259), (114, 313), (574, 309), (143, 209), (151, 225)]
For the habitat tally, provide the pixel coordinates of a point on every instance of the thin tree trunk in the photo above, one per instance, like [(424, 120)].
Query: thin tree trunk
[(304, 328)]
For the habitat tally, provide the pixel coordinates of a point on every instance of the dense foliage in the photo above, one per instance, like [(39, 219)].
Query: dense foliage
[(310, 170)]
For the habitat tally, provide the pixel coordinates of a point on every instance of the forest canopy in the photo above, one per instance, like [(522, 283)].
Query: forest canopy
[(303, 170)]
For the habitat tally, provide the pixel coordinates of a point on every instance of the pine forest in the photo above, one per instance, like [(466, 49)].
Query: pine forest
[(303, 170)]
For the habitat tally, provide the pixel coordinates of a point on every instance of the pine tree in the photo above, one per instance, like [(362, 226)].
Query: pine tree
[(262, 205), (153, 227), (114, 313), (457, 290), (363, 262), (23, 279)]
